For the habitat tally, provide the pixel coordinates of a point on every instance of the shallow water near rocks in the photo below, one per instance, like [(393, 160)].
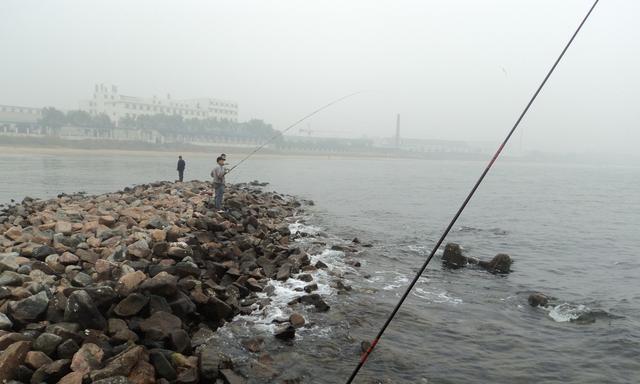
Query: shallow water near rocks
[(571, 229)]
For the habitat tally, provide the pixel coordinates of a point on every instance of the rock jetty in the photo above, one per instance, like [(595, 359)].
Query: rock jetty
[(128, 287)]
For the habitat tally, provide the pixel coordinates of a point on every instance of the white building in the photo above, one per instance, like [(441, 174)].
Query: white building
[(107, 100)]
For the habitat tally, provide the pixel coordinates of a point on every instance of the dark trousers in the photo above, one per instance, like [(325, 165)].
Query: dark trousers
[(180, 174)]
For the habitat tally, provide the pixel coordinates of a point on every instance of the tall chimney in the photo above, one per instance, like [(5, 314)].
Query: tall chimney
[(398, 131)]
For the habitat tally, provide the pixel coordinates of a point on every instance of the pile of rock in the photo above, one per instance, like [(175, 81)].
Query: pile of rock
[(130, 286), (453, 258)]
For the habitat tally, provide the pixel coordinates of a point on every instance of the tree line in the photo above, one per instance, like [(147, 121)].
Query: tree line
[(170, 125)]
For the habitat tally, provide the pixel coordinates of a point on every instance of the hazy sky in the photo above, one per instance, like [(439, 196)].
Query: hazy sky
[(453, 69)]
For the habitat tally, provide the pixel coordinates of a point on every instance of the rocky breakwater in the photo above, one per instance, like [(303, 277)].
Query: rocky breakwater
[(128, 287)]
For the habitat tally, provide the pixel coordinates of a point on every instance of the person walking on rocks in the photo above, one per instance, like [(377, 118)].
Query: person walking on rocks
[(181, 165), (218, 182)]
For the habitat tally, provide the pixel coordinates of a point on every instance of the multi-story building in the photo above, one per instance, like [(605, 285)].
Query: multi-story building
[(107, 100)]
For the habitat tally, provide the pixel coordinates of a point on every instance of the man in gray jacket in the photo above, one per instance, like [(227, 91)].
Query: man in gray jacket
[(218, 182)]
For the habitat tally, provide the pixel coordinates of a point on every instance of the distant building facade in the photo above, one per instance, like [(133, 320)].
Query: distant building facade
[(11, 114), (107, 100)]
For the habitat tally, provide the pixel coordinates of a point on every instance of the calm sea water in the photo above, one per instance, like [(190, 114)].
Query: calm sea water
[(571, 229)]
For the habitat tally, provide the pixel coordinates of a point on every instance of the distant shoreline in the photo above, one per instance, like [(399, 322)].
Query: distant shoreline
[(20, 145)]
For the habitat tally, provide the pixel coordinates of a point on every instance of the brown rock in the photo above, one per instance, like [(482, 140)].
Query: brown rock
[(107, 220), (64, 227), (120, 365), (452, 256), (129, 282), (14, 233), (139, 249), (143, 373), (36, 359), (12, 357), (68, 258), (72, 378), (160, 325), (296, 320), (158, 235), (162, 284), (88, 358)]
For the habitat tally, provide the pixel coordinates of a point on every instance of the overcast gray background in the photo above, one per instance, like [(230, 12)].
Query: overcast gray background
[(457, 70)]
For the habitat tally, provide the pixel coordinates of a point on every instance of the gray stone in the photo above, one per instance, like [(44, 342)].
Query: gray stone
[(47, 343), (31, 308), (5, 323), (81, 309)]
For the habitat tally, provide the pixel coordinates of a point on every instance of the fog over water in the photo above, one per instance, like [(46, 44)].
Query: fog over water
[(457, 70)]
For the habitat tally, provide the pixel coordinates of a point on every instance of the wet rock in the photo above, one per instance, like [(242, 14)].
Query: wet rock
[(143, 373), (201, 337), (305, 277), (538, 300), (321, 265), (311, 287), (231, 377), (285, 332), (315, 300), (211, 360), (81, 309), (131, 305), (452, 256), (501, 263), (296, 320), (120, 332), (253, 345), (29, 309), (284, 272), (12, 357)]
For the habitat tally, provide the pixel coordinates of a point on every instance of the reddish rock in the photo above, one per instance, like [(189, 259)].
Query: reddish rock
[(12, 357), (36, 359), (88, 358), (296, 320), (72, 378), (129, 282), (143, 373)]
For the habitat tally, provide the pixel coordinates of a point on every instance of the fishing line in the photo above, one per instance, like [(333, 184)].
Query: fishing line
[(366, 354), (289, 127)]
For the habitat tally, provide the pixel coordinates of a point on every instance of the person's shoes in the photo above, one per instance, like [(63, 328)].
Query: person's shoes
[(220, 211)]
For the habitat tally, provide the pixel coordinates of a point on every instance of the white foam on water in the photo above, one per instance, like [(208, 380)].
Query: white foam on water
[(399, 281), (286, 291), (437, 297), (567, 312), (299, 227)]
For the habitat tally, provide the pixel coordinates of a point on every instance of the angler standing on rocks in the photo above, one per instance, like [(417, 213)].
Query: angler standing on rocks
[(218, 182), (181, 165)]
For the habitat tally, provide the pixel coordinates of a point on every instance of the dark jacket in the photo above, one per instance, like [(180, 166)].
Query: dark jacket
[(181, 165)]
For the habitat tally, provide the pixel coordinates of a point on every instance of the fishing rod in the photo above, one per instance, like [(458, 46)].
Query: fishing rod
[(291, 126), (367, 353)]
